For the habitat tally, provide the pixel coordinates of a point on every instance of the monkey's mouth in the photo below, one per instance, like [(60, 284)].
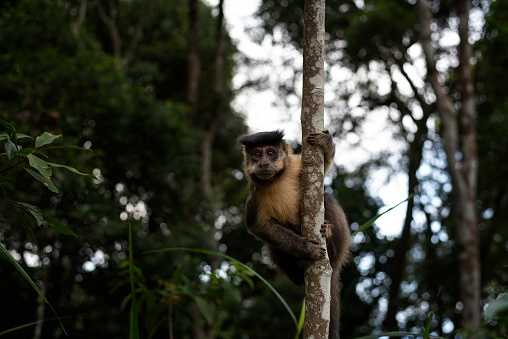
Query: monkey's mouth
[(265, 175)]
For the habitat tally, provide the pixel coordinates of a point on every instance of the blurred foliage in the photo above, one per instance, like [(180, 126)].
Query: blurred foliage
[(61, 75)]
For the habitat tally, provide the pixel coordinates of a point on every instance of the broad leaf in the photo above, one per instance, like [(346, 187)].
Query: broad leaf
[(45, 139), (46, 182), (33, 210), (72, 169), (10, 130), (497, 307), (58, 226), (11, 149), (40, 165)]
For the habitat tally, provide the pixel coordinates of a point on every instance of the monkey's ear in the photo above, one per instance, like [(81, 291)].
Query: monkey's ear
[(262, 139)]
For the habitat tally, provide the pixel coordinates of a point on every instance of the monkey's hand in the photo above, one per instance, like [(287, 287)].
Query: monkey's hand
[(326, 230), (313, 250), (323, 139)]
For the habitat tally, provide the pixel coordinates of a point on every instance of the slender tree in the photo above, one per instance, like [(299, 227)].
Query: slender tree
[(458, 134), (318, 274)]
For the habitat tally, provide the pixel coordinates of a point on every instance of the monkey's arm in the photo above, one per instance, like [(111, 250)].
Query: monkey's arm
[(325, 141), (281, 238)]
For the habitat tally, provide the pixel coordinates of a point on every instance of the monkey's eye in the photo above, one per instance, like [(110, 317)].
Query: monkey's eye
[(257, 155), (270, 153)]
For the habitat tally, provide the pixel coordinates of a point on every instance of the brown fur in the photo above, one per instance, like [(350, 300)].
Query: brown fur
[(273, 210)]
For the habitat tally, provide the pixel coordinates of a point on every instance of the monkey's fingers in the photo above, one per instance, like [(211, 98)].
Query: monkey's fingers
[(312, 138)]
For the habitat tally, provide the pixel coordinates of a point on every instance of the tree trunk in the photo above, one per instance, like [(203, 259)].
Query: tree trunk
[(194, 60), (461, 155), (318, 274), (213, 121)]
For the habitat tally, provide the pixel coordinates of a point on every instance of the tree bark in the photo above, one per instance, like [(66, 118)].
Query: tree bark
[(318, 274), (461, 155)]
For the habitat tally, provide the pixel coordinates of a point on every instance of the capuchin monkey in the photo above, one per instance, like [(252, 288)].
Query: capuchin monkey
[(272, 211)]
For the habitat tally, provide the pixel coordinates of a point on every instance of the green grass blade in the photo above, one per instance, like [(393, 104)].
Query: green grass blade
[(20, 327), (27, 278), (199, 250), (371, 220), (134, 327), (431, 315), (301, 320)]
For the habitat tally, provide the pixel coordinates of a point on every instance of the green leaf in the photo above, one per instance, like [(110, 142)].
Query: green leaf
[(10, 130), (33, 210), (247, 268), (497, 307), (205, 309), (301, 321), (40, 165), (58, 226), (72, 169), (4, 136), (45, 139), (46, 182), (11, 149), (27, 278), (371, 220)]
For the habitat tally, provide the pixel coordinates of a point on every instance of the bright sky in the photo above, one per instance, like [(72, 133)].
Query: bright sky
[(262, 115)]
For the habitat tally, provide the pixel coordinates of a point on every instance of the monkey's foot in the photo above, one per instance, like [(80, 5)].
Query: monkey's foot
[(326, 230)]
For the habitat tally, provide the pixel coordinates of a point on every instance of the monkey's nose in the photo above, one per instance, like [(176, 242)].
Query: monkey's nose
[(263, 164)]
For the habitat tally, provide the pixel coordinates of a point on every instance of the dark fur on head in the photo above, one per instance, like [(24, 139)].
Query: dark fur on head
[(262, 139)]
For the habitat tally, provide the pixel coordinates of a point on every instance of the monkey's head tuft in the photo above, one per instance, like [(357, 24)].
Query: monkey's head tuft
[(262, 139)]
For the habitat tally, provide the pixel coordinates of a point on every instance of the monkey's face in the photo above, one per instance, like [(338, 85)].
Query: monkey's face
[(264, 162)]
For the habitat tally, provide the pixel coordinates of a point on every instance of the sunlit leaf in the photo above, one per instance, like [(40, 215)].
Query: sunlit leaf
[(46, 182), (40, 165), (33, 210), (45, 139), (72, 169), (58, 225)]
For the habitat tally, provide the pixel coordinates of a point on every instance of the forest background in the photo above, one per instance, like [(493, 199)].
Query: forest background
[(147, 85)]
